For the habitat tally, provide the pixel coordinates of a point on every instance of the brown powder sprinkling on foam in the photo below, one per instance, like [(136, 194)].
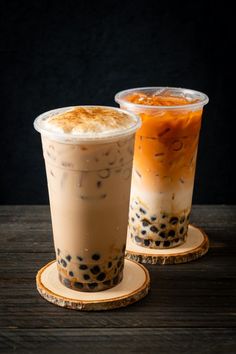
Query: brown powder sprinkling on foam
[(91, 119)]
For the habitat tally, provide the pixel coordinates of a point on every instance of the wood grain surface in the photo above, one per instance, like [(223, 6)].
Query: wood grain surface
[(191, 307)]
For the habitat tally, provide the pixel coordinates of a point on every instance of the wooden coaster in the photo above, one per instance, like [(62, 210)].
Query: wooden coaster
[(196, 246), (133, 287)]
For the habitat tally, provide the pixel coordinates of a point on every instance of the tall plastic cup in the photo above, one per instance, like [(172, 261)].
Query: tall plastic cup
[(164, 162), (89, 181)]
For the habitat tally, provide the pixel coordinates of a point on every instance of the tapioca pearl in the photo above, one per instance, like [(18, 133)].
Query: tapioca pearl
[(138, 216), (96, 257), (163, 226), (78, 285), (171, 233), (174, 220), (153, 218), (67, 283), (109, 265), (176, 240), (164, 216), (104, 173), (162, 234), (142, 211), (143, 232), (79, 258), (182, 219), (101, 276), (131, 235), (138, 239), (86, 277), (132, 219), (166, 243), (107, 282), (95, 270), (92, 285), (181, 231), (68, 258), (147, 242), (63, 262), (157, 243), (58, 251), (71, 274), (154, 229), (145, 223), (83, 267)]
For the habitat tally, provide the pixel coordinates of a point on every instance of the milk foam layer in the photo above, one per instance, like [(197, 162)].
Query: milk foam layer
[(91, 120)]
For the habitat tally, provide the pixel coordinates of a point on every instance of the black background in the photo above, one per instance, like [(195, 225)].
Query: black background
[(56, 54)]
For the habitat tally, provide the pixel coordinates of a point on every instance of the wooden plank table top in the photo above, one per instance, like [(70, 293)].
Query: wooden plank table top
[(191, 307)]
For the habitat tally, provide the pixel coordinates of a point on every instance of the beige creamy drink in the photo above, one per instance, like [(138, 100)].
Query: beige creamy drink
[(88, 153)]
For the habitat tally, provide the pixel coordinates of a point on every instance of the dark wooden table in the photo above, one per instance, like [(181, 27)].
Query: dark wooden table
[(191, 307)]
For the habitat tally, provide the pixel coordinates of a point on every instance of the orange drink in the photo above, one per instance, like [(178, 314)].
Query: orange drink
[(164, 162)]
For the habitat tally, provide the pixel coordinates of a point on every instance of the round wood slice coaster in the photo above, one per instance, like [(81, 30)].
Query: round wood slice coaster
[(134, 286), (196, 246)]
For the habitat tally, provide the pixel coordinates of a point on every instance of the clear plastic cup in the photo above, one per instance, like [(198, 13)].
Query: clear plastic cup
[(164, 162), (89, 181)]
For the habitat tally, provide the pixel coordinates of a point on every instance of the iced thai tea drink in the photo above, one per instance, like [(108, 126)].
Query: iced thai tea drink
[(88, 152), (164, 163)]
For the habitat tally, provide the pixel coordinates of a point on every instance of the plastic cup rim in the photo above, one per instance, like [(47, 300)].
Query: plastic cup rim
[(120, 99)]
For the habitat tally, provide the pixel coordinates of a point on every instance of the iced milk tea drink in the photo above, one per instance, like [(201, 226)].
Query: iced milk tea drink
[(88, 152), (164, 162)]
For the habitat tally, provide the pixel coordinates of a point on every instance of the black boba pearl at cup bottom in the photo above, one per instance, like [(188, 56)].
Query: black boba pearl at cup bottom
[(109, 265), (174, 220), (147, 242), (157, 243), (83, 267), (138, 239), (86, 277), (92, 285), (71, 274), (101, 276), (142, 211), (143, 232), (171, 233), (153, 218), (163, 226), (78, 285), (162, 234), (68, 258), (154, 229), (145, 223), (79, 258), (95, 269), (95, 257), (181, 230), (63, 262), (166, 243)]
